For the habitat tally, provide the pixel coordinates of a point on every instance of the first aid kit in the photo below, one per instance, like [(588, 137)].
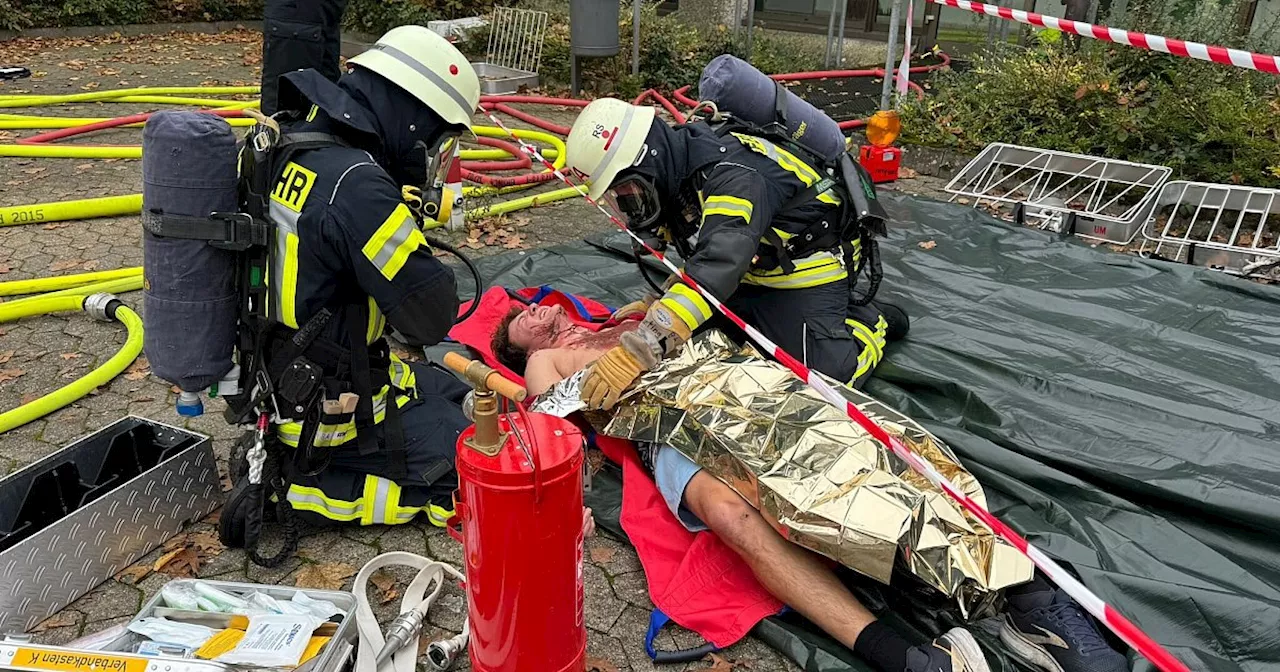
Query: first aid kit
[(163, 638)]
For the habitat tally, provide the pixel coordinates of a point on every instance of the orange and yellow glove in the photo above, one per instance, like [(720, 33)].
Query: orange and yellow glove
[(662, 331)]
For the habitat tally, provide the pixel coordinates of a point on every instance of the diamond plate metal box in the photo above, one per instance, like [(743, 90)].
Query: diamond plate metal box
[(87, 511)]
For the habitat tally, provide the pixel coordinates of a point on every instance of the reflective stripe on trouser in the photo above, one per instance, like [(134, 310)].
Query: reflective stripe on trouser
[(873, 344), (329, 435), (379, 501), (814, 270)]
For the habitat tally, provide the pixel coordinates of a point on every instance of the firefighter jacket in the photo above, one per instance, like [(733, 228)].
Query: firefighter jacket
[(346, 242), (750, 201)]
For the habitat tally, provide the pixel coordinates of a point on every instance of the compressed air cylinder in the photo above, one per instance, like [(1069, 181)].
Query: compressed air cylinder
[(737, 87), (189, 290)]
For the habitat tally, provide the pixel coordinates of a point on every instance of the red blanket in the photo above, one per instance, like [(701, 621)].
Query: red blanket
[(694, 578)]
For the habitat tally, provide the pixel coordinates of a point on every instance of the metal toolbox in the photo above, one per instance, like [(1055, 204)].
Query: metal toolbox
[(77, 517)]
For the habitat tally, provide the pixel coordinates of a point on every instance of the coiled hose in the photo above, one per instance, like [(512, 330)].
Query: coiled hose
[(101, 306)]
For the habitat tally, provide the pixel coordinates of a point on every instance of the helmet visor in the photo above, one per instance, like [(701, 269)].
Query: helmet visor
[(636, 199)]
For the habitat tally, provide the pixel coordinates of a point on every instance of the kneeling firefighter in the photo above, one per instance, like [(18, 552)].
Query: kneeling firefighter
[(769, 212), (327, 251)]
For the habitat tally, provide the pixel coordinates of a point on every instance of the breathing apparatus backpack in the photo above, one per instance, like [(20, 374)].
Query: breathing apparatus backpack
[(740, 99)]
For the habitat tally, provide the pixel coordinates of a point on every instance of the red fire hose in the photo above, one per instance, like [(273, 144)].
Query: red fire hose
[(521, 161), (476, 171), (110, 123)]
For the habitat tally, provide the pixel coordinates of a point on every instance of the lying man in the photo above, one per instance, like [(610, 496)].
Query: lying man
[(1044, 627)]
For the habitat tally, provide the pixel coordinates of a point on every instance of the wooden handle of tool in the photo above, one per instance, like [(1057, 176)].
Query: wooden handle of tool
[(492, 379)]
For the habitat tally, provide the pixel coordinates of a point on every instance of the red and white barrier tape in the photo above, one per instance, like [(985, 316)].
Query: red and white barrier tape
[(1168, 45), (1104, 612)]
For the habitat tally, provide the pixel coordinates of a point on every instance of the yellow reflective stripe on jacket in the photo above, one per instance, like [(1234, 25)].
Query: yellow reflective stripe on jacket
[(789, 162), (393, 242), (819, 268), (687, 304), (333, 435), (379, 503), (729, 206)]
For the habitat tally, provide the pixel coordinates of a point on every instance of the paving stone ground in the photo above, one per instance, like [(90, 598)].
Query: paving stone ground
[(42, 353)]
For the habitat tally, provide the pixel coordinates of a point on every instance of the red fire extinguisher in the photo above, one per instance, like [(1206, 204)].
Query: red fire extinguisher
[(519, 518)]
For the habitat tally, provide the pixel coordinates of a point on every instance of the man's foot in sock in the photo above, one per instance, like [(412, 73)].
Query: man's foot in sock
[(955, 651), (1047, 630)]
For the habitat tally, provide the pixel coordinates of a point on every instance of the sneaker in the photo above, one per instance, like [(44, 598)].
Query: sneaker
[(955, 651), (1049, 631)]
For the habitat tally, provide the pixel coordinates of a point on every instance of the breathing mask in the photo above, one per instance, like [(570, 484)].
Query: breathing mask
[(432, 200)]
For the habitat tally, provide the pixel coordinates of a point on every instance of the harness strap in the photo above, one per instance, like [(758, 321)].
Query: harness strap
[(362, 379)]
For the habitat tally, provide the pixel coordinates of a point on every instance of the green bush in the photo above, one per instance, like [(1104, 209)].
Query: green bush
[(1208, 122), (672, 54), (19, 14)]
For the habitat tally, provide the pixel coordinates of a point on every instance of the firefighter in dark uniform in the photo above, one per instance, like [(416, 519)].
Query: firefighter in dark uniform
[(347, 244), (734, 196), (296, 35)]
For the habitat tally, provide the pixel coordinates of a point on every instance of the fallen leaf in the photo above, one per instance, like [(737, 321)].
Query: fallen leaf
[(719, 663), (64, 265), (134, 573), (1083, 90), (55, 225), (595, 664), (138, 369), (206, 542), (30, 397), (90, 265), (68, 355), (927, 244), (515, 243), (142, 399), (4, 268), (603, 554), (179, 562), (90, 86), (59, 620), (324, 575), (386, 584), (905, 173), (7, 375), (962, 201), (6, 356)]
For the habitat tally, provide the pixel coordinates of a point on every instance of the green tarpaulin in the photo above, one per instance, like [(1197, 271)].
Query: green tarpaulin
[(1123, 414)]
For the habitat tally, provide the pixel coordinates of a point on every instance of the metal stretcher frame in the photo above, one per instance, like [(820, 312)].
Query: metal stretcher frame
[(1102, 199), (1231, 228)]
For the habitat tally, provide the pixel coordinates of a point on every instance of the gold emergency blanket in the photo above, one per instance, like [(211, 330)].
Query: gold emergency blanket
[(818, 477)]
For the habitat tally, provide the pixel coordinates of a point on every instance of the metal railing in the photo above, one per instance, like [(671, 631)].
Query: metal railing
[(515, 38)]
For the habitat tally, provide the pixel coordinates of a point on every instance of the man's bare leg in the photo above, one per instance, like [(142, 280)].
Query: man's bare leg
[(792, 574)]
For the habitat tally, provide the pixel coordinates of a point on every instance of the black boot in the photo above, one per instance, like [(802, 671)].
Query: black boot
[(896, 319)]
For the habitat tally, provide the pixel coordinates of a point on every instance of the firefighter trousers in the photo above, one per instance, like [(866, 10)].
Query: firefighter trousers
[(819, 325), (354, 489)]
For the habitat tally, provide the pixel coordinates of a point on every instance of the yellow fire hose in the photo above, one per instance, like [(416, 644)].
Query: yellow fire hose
[(25, 100), (101, 306), (130, 283), (39, 213), (515, 204), (57, 282)]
